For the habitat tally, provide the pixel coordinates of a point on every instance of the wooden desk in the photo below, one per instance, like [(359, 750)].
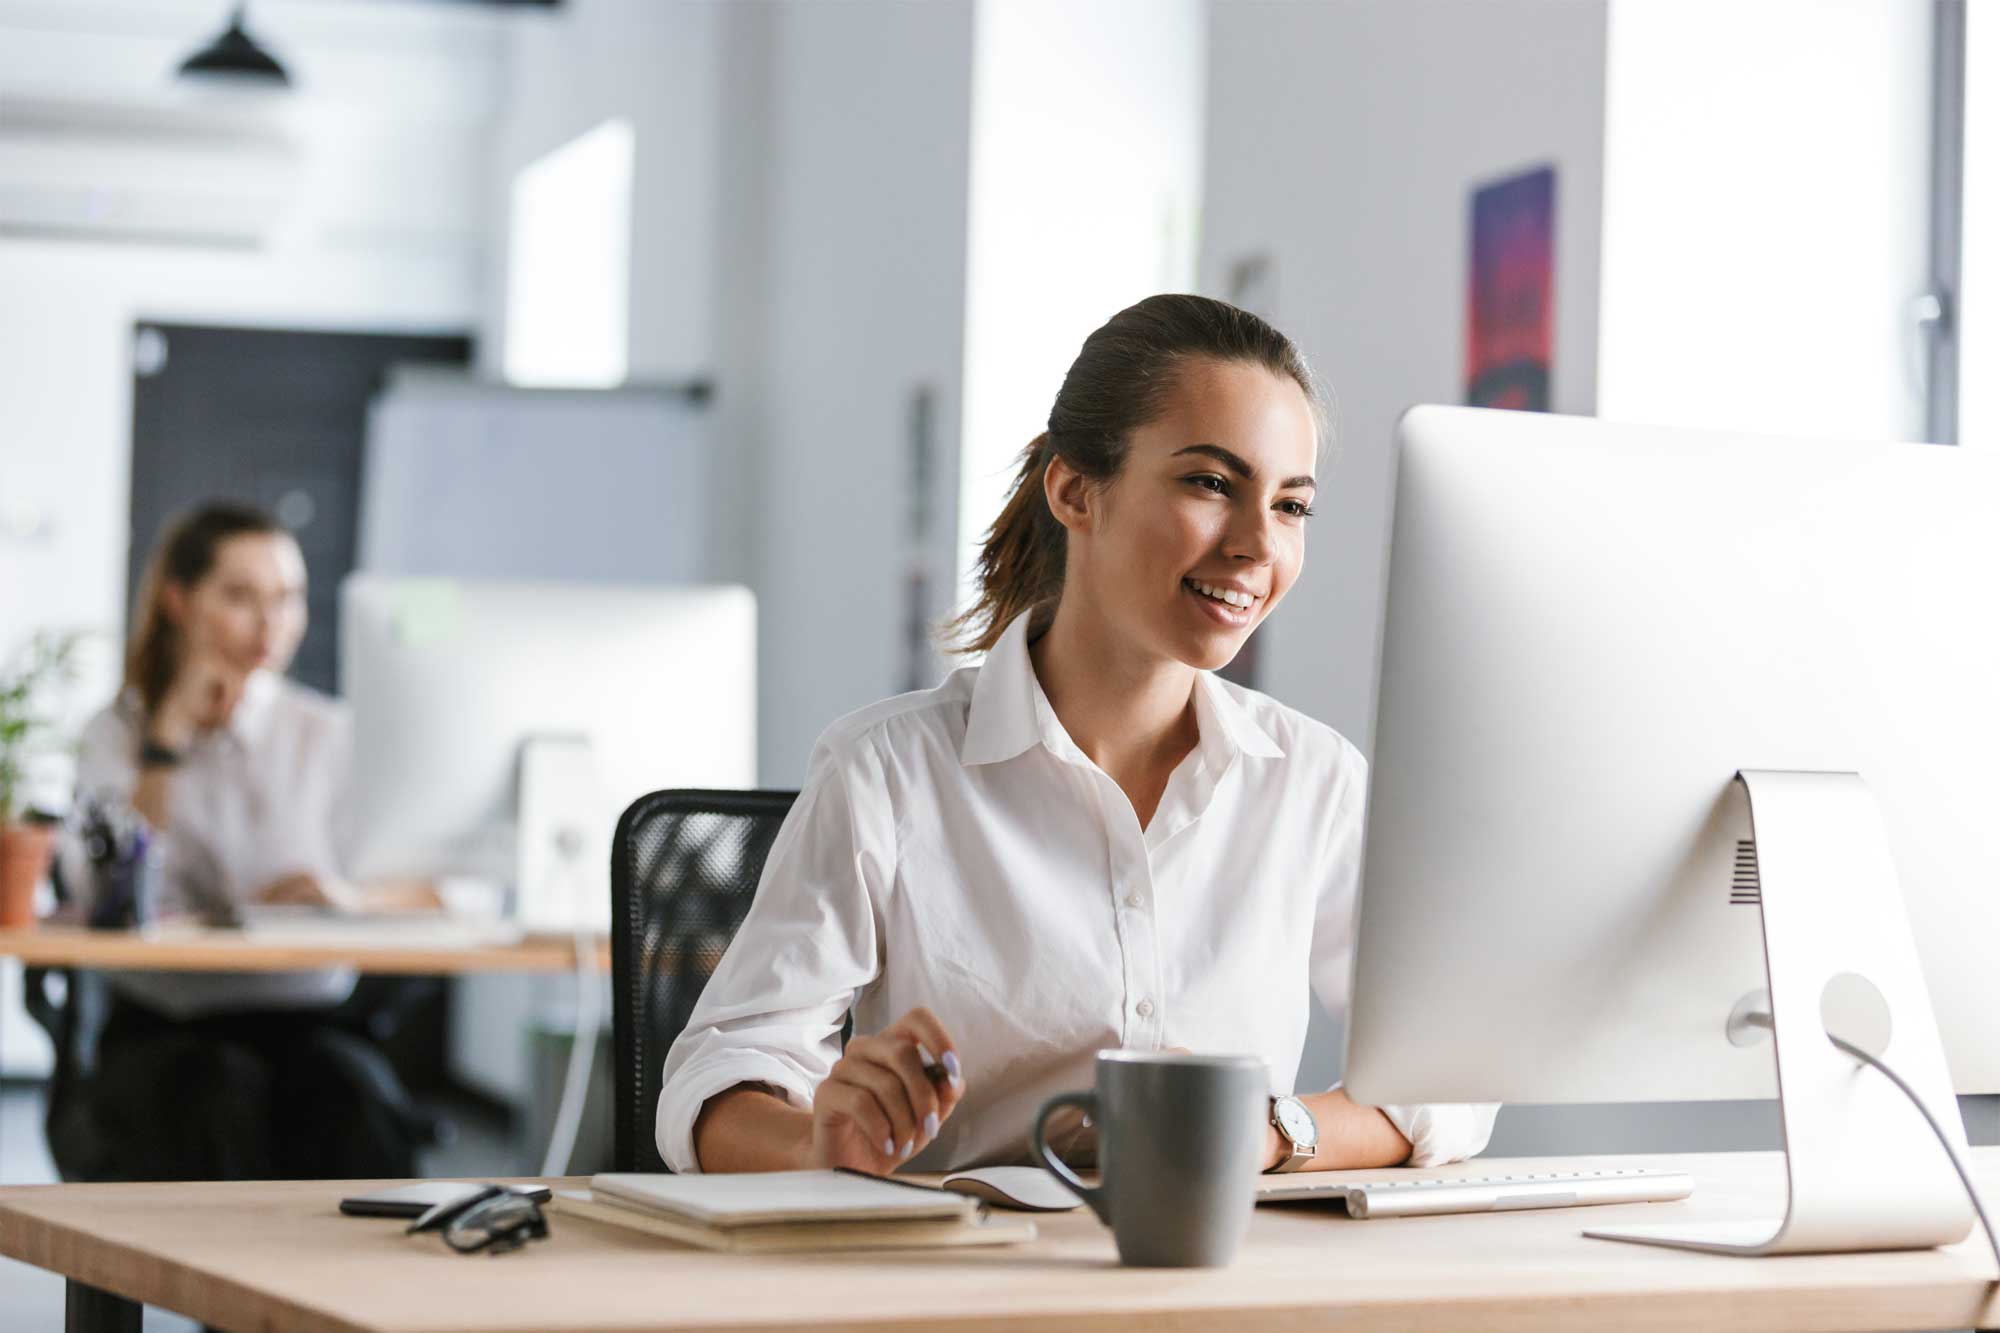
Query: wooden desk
[(194, 949), (278, 1255)]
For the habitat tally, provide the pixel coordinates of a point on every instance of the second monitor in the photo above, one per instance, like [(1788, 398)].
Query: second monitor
[(502, 727)]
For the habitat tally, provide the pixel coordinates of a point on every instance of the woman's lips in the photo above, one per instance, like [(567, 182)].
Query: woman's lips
[(1234, 617)]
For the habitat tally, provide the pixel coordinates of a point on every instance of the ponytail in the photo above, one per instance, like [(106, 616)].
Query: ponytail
[(1021, 562)]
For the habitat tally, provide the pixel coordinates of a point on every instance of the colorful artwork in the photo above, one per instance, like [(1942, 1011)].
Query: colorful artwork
[(1510, 325)]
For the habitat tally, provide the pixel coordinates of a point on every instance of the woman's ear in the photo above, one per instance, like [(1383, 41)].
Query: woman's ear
[(173, 601), (1069, 494)]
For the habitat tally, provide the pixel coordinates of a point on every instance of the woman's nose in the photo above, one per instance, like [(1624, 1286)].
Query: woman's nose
[(1250, 538)]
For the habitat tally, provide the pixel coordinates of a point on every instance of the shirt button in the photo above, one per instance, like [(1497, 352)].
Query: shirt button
[(1145, 1009), (1135, 899)]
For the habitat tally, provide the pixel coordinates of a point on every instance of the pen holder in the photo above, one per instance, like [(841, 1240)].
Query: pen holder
[(124, 894), (122, 857)]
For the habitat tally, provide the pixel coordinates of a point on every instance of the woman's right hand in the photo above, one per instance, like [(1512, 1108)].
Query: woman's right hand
[(880, 1105), (204, 693)]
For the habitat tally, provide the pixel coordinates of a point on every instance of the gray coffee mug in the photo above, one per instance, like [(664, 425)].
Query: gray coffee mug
[(1179, 1141)]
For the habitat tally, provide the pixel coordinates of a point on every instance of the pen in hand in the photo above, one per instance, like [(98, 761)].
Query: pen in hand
[(941, 1071)]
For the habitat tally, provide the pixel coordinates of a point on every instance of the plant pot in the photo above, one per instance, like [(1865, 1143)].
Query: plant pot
[(25, 852)]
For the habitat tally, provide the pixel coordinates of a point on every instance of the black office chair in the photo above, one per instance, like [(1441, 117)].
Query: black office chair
[(684, 866)]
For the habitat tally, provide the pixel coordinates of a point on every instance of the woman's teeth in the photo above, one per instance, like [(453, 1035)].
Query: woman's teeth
[(1229, 595)]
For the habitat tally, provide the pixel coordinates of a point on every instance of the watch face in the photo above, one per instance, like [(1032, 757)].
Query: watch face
[(1297, 1122)]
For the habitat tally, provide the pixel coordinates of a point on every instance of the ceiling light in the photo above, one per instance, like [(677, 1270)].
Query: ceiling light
[(235, 55)]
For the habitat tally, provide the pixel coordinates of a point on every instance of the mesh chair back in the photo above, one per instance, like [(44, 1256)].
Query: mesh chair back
[(684, 866)]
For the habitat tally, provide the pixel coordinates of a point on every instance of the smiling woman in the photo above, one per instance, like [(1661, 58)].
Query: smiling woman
[(1159, 371), (1088, 840)]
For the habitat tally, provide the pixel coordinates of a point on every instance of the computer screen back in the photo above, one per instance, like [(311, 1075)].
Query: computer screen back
[(1590, 629)]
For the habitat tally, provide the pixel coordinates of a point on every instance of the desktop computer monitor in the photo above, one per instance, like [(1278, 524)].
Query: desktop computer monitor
[(1590, 631), (502, 727)]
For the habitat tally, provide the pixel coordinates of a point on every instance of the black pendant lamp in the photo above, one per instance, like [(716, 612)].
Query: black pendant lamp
[(235, 55)]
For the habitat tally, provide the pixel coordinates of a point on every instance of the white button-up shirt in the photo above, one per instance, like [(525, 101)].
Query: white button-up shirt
[(255, 800), (953, 848)]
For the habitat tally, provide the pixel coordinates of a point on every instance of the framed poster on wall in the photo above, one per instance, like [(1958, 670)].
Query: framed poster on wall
[(1510, 316)]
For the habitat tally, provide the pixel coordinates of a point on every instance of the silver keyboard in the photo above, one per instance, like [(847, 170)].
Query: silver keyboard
[(1480, 1194)]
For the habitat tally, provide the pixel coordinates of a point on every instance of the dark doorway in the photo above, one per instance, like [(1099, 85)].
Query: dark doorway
[(275, 417)]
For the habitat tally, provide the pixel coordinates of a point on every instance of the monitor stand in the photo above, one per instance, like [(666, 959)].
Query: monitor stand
[(1864, 1172), (562, 866)]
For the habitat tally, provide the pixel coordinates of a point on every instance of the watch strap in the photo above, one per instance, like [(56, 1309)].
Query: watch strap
[(152, 754), (1298, 1154)]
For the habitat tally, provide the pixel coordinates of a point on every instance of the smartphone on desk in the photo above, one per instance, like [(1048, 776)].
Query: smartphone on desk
[(418, 1199)]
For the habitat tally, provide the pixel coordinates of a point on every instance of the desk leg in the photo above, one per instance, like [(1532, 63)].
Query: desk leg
[(93, 1310)]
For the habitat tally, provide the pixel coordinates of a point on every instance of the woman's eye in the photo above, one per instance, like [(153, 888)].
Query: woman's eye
[(1296, 508), (1208, 481)]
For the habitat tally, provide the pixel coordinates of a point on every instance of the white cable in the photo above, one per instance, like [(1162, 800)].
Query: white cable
[(1964, 1176), (583, 1046)]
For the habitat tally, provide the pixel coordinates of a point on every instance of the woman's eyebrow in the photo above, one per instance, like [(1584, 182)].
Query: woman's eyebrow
[(1238, 464)]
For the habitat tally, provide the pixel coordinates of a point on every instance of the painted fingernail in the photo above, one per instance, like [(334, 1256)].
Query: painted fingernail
[(888, 1147), (930, 1126), (951, 1065), (908, 1146)]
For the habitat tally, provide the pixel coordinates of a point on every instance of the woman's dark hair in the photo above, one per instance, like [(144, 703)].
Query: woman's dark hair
[(183, 557), (1118, 382)]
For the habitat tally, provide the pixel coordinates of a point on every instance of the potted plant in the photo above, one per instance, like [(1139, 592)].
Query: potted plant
[(27, 842)]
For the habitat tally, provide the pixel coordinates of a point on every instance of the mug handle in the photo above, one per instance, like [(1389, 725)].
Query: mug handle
[(1054, 1165)]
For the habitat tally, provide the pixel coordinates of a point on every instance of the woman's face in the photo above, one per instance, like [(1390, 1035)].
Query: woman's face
[(1204, 530), (250, 608)]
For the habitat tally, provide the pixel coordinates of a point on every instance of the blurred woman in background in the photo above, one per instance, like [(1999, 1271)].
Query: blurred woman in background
[(239, 775)]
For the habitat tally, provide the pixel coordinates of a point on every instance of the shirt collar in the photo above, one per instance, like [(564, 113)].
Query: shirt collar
[(1004, 719), (1227, 724), (252, 716), (1009, 713)]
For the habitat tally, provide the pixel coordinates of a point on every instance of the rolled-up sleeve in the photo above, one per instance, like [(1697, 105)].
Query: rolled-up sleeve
[(772, 1012), (1445, 1132)]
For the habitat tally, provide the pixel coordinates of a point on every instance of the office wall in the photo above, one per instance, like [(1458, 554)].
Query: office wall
[(1343, 144), (1767, 215), (800, 207), (361, 249), (659, 67), (864, 290)]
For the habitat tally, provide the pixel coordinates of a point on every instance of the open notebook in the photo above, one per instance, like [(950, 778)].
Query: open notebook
[(764, 1212), (1028, 1189)]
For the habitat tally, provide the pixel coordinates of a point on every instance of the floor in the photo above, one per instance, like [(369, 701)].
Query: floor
[(33, 1299)]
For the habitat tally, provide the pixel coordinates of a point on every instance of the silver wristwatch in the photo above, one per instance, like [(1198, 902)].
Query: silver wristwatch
[(1297, 1130)]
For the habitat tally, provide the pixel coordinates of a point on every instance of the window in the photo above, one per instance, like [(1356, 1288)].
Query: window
[(569, 263)]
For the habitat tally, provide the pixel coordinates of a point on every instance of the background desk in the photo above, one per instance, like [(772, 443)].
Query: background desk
[(193, 949), (278, 1255)]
